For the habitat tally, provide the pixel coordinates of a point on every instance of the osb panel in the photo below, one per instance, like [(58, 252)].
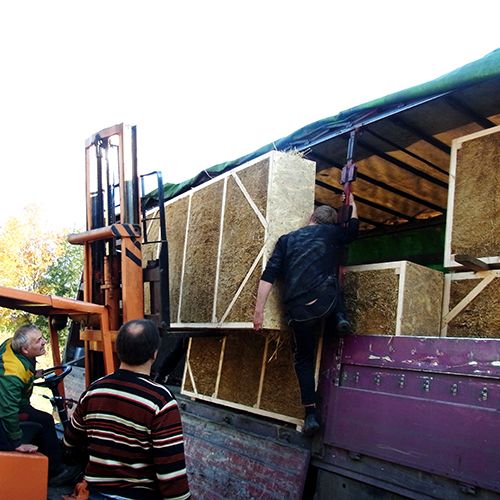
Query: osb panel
[(255, 180), (204, 356), (240, 374), (371, 299), (476, 212), (422, 301), (291, 195), (481, 318), (201, 257), (176, 218), (290, 204), (243, 238), (280, 391)]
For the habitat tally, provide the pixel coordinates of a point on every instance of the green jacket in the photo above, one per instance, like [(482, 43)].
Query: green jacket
[(17, 374)]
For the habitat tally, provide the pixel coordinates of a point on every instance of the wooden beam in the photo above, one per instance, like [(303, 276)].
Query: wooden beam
[(406, 151), (420, 133), (472, 263), (382, 185), (364, 201), (402, 165), (486, 280)]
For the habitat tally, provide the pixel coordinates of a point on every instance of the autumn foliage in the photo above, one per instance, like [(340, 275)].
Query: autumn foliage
[(38, 259)]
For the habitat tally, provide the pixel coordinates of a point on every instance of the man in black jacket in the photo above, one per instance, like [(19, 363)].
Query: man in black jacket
[(307, 261)]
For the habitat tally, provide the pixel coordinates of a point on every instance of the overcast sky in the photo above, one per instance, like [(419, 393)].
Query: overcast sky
[(204, 81)]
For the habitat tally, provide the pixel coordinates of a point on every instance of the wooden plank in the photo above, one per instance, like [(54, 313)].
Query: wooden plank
[(257, 411), (262, 372), (446, 303), (473, 215), (219, 370), (471, 263), (219, 249), (211, 326), (187, 369), (96, 335), (485, 281), (401, 298), (448, 261), (183, 266), (242, 285), (261, 218)]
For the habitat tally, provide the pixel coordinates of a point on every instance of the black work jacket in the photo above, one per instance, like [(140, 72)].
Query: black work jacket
[(305, 259)]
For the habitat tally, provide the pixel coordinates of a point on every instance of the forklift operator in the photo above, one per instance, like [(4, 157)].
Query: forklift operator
[(17, 373), (306, 261)]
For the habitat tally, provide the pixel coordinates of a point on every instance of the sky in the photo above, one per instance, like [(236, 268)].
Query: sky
[(204, 81)]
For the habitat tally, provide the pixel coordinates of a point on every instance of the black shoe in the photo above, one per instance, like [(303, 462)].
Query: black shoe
[(311, 425), (343, 326), (67, 475)]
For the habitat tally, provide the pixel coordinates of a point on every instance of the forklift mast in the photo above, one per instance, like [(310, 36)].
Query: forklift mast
[(113, 274)]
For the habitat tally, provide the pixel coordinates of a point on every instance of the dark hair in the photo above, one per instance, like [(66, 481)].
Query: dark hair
[(137, 341), (324, 214)]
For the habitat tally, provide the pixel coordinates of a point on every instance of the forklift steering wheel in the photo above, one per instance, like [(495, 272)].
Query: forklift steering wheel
[(50, 377)]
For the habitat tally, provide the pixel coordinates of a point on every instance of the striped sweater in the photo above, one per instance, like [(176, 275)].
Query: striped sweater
[(132, 431)]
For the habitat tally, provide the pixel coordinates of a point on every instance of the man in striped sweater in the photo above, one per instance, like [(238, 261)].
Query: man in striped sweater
[(130, 426)]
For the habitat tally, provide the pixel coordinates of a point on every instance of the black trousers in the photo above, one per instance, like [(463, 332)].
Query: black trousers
[(46, 439), (304, 352), (305, 334)]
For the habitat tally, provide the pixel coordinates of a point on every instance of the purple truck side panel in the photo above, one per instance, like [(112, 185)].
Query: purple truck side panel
[(432, 404)]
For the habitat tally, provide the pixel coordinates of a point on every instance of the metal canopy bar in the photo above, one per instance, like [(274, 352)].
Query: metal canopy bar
[(463, 108), (382, 208), (367, 120), (406, 151), (402, 164), (381, 185), (418, 131)]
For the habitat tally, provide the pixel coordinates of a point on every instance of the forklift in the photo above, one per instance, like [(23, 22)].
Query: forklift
[(113, 280)]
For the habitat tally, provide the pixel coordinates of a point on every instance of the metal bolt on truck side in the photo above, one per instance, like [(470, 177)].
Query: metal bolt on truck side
[(410, 402)]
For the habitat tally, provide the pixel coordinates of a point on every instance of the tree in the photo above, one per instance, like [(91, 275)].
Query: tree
[(63, 276), (36, 259)]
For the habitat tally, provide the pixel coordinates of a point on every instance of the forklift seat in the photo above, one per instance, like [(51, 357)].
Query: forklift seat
[(23, 475)]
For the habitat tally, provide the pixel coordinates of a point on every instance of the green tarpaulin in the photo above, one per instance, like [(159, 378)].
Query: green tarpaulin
[(471, 74)]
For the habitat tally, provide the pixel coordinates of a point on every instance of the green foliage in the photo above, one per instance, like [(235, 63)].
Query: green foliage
[(62, 277), (36, 259)]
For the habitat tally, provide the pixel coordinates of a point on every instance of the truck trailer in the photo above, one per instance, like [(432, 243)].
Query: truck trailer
[(410, 402)]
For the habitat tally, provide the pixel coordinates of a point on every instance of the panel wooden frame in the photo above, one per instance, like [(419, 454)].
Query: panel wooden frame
[(398, 298), (248, 381), (480, 201), (471, 305), (235, 207)]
